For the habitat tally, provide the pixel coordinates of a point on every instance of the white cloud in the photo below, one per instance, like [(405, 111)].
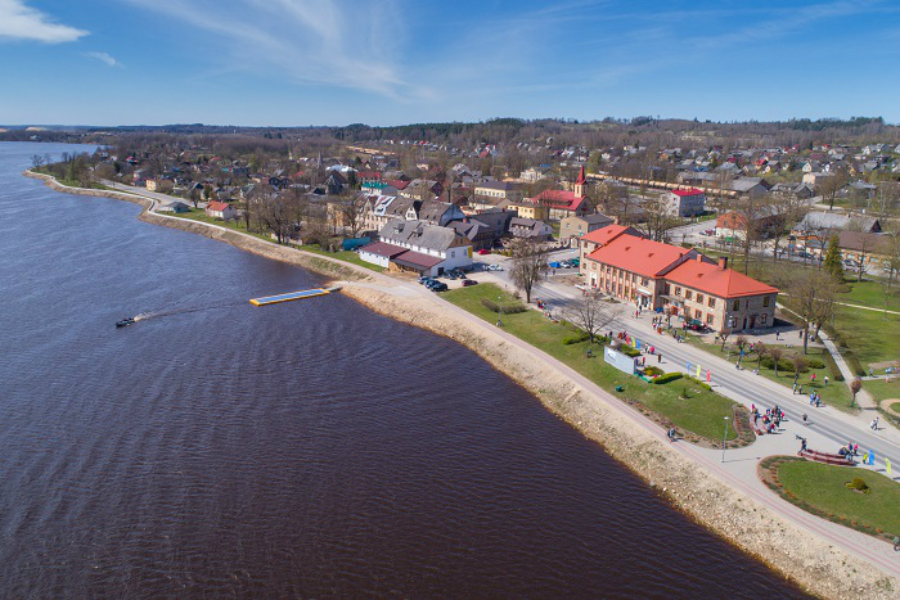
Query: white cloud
[(342, 43), (20, 22), (104, 58)]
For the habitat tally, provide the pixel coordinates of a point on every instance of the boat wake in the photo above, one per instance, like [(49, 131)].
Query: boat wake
[(146, 316)]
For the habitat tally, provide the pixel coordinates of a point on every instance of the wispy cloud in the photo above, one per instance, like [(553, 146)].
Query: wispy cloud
[(340, 43), (21, 22), (104, 58)]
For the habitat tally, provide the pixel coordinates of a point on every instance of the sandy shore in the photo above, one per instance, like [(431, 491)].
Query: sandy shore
[(811, 561)]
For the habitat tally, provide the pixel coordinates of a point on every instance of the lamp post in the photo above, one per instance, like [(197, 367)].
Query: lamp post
[(724, 435), (499, 311)]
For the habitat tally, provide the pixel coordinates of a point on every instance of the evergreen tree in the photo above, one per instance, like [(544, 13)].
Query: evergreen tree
[(832, 261)]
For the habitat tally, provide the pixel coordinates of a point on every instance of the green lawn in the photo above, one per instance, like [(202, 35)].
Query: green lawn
[(869, 293), (346, 256), (702, 414), (823, 488), (871, 336), (881, 390)]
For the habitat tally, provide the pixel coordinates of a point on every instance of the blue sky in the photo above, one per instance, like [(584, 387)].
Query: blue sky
[(315, 62)]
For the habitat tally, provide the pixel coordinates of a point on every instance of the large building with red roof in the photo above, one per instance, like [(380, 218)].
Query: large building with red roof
[(678, 281)]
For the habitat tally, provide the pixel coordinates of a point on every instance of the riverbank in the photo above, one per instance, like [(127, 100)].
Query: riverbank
[(789, 548)]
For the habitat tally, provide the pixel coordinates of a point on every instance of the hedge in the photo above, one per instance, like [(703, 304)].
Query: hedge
[(654, 371), (508, 309), (668, 377), (854, 364), (815, 363), (832, 367), (784, 364), (577, 338), (629, 351), (702, 384)]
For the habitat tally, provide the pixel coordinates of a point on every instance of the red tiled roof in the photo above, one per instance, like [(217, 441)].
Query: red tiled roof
[(691, 192), (710, 278), (383, 249), (398, 183), (581, 178), (216, 206), (638, 255), (558, 199), (605, 235)]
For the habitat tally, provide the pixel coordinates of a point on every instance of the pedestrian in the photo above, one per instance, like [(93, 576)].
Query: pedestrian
[(805, 417), (659, 358), (671, 434), (643, 361), (794, 389), (800, 389), (826, 380), (812, 377), (855, 449), (897, 543), (777, 335), (874, 425)]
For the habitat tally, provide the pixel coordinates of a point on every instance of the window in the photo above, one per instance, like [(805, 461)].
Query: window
[(698, 314), (736, 305), (763, 318), (677, 291), (709, 319), (700, 298), (644, 282), (766, 301), (712, 302), (688, 294)]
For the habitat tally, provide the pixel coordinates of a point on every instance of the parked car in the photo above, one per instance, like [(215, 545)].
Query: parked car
[(450, 275), (423, 279), (555, 265), (484, 251), (695, 325), (439, 287), (468, 282), (433, 282)]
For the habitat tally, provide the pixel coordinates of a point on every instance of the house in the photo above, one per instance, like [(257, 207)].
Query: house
[(600, 237), (819, 222), (866, 249), (480, 234), (679, 282), (174, 206), (335, 182), (159, 185), (734, 223), (572, 228), (534, 174), (502, 190), (527, 210), (684, 203), (815, 179), (221, 210), (416, 246), (437, 213), (530, 229), (750, 186)]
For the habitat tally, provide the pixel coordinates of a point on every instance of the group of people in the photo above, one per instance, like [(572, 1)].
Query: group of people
[(771, 418), (849, 450)]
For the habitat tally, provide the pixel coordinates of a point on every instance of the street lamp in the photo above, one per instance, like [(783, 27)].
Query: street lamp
[(499, 311), (724, 435)]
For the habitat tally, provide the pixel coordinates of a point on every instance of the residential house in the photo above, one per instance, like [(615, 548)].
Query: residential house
[(221, 210), (437, 213), (816, 178), (534, 174), (499, 190), (750, 186), (572, 228), (684, 203), (530, 229), (159, 185), (865, 249), (733, 224), (527, 210), (174, 206)]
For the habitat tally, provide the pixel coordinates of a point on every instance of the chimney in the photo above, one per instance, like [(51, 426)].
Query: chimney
[(723, 263), (699, 257)]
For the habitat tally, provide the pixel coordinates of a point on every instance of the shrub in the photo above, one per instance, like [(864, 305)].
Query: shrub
[(654, 371), (577, 338), (832, 367), (702, 384), (629, 351), (668, 377), (815, 363), (508, 309), (854, 365), (859, 485), (784, 365)]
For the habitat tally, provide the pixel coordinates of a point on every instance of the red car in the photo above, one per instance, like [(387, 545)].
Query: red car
[(468, 282), (484, 251)]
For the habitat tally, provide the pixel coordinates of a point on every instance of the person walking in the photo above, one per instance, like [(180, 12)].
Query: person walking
[(826, 380), (659, 358), (874, 425), (805, 417)]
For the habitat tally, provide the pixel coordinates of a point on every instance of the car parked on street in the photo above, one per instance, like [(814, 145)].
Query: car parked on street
[(439, 287), (484, 251), (468, 282)]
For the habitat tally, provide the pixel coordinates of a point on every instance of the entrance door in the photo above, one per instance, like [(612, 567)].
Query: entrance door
[(752, 321), (745, 323)]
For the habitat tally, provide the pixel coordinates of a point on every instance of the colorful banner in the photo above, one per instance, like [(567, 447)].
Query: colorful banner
[(887, 465), (688, 367), (871, 457), (708, 376), (698, 371), (637, 343)]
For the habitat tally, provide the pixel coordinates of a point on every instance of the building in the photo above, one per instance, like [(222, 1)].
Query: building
[(676, 281), (751, 186), (534, 174), (572, 228), (418, 247), (527, 210), (865, 249), (563, 203), (823, 224), (733, 224), (499, 190), (159, 185), (530, 229), (174, 206), (221, 210), (684, 203), (600, 237)]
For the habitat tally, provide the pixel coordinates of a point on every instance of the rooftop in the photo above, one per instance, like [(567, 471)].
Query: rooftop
[(722, 282)]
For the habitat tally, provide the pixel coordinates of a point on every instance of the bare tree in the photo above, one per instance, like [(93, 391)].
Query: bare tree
[(832, 184), (528, 266), (656, 220), (592, 314), (890, 252), (775, 353), (37, 161), (812, 297)]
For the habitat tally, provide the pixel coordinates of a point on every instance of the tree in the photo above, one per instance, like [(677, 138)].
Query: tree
[(761, 351), (832, 184), (592, 314), (656, 220), (812, 297), (528, 266), (37, 161), (855, 386), (832, 263), (799, 364), (740, 342), (775, 353), (890, 251)]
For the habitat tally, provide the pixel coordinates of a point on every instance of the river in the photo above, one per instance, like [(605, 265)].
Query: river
[(309, 449)]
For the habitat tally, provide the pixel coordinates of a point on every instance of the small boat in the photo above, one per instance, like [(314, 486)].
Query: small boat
[(126, 322)]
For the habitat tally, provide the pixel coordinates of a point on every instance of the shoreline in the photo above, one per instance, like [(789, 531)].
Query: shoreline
[(788, 548)]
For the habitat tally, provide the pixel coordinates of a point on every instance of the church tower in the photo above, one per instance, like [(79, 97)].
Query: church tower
[(580, 183)]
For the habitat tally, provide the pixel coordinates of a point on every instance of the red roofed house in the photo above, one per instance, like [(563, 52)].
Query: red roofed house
[(562, 203), (679, 281), (220, 210), (685, 203)]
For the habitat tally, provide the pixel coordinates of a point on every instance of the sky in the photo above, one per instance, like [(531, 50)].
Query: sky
[(388, 62)]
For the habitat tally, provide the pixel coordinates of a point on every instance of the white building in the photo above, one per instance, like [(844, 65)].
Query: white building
[(685, 203), (419, 247)]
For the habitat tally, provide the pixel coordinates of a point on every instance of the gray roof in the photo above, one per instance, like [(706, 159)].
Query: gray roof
[(744, 184), (597, 218), (497, 185), (418, 233), (816, 221), (433, 211)]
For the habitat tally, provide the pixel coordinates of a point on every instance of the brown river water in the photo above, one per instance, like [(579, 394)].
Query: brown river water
[(309, 449)]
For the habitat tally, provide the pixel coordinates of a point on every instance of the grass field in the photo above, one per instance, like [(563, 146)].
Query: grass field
[(703, 413), (823, 488), (871, 336), (881, 390)]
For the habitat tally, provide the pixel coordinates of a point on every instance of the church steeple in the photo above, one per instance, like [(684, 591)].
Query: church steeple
[(580, 183)]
